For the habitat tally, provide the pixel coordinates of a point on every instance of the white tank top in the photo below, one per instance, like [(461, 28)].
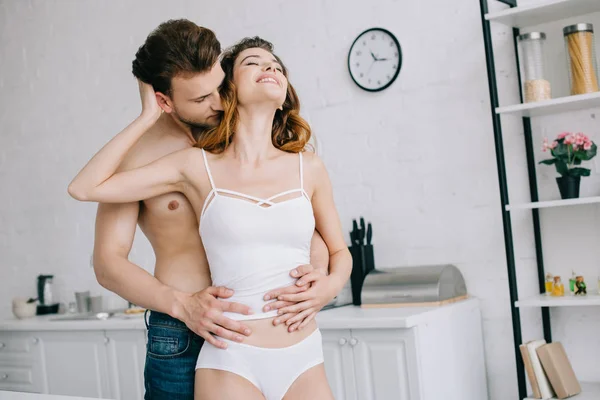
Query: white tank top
[(252, 244)]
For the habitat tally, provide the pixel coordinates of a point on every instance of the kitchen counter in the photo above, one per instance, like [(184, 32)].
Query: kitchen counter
[(45, 323), (5, 395), (334, 318)]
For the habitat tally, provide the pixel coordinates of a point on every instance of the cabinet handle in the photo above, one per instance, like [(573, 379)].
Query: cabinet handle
[(4, 377), (2, 345), (353, 342), (35, 340), (342, 341), (106, 340)]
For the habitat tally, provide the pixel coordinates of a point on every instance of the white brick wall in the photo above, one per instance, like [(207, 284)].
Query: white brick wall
[(417, 159)]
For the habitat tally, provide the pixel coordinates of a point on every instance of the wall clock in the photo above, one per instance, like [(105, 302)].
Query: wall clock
[(375, 59)]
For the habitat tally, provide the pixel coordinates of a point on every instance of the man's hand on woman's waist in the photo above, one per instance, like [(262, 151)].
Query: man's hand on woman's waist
[(202, 312)]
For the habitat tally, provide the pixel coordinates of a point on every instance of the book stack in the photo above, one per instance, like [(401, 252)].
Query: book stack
[(549, 370)]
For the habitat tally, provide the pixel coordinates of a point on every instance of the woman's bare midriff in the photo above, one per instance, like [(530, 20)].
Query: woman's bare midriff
[(264, 334)]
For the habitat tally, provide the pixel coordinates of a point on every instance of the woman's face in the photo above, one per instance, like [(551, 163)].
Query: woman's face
[(259, 78)]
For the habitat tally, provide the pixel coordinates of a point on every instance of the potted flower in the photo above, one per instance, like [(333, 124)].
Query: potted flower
[(568, 151)]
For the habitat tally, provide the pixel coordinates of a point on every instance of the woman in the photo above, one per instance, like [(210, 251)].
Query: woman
[(258, 199)]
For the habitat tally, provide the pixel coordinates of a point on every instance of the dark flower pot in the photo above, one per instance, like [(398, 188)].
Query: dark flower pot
[(569, 186)]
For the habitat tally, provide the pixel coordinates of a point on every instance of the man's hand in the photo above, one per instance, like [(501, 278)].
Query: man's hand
[(202, 312), (298, 304)]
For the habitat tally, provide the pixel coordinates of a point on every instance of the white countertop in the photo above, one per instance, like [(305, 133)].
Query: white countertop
[(45, 323), (353, 317), (5, 395), (346, 317)]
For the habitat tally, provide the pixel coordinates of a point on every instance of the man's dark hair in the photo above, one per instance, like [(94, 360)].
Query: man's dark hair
[(175, 48)]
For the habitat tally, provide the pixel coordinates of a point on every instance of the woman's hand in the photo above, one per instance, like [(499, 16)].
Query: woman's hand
[(317, 290), (150, 107)]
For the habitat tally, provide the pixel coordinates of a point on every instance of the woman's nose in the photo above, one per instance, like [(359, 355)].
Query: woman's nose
[(271, 67)]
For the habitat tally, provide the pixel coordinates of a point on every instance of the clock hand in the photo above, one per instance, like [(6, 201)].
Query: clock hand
[(373, 55), (371, 66)]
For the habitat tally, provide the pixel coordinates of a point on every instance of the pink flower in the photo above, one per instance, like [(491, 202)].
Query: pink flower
[(545, 145), (569, 139), (554, 144), (562, 135), (587, 145)]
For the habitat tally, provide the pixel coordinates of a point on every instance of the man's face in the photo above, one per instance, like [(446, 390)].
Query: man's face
[(196, 100)]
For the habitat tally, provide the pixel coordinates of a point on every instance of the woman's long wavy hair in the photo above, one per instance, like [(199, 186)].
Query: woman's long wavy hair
[(290, 131)]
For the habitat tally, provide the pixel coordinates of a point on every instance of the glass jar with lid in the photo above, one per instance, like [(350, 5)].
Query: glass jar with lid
[(536, 86), (581, 58)]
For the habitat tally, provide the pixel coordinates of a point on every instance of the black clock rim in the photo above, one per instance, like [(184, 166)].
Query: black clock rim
[(399, 59)]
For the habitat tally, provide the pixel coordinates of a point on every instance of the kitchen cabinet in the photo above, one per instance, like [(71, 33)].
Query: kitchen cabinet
[(126, 358), (20, 369), (371, 364), (425, 353), (75, 363), (89, 363), (405, 353)]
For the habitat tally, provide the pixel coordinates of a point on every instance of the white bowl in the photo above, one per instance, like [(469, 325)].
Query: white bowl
[(21, 309)]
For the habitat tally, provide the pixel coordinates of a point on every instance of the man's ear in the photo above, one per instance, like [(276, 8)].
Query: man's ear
[(164, 102)]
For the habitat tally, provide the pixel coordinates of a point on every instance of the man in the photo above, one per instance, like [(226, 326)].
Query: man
[(180, 60)]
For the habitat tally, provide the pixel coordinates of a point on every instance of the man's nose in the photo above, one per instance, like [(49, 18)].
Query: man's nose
[(217, 104)]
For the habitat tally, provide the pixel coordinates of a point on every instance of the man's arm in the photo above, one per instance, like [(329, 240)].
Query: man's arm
[(202, 312), (115, 231)]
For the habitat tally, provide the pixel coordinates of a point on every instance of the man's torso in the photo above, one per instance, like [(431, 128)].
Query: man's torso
[(169, 221)]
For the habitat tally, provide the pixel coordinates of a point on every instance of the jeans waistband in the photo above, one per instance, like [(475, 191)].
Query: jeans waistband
[(158, 318)]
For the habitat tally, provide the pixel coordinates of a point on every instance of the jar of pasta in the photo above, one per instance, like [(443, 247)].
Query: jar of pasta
[(581, 56), (535, 85)]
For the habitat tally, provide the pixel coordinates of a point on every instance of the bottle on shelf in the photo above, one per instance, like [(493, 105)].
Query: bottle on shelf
[(580, 287), (550, 284), (572, 282), (558, 289)]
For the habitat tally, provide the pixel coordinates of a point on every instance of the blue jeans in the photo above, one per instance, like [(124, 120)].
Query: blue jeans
[(171, 355)]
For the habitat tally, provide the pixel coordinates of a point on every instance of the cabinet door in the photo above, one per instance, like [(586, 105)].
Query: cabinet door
[(20, 363), (339, 363), (126, 358), (385, 364), (75, 363)]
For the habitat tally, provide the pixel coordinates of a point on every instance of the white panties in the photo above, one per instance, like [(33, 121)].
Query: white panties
[(271, 370)]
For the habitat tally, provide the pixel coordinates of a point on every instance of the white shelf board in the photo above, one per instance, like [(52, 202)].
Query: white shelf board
[(568, 300), (553, 106), (589, 391), (547, 11), (553, 203)]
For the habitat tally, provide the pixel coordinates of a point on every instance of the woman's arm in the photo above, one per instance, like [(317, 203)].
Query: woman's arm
[(323, 288), (97, 181), (329, 226)]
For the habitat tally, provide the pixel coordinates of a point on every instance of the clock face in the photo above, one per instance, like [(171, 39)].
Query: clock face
[(375, 59)]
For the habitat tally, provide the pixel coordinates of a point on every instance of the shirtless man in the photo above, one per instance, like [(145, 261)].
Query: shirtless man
[(180, 60)]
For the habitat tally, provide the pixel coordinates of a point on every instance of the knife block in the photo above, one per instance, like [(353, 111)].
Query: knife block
[(363, 262)]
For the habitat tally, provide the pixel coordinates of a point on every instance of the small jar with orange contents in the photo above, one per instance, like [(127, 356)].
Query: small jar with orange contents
[(558, 289), (549, 284)]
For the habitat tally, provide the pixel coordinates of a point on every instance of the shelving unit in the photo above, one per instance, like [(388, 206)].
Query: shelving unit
[(592, 299), (589, 391), (553, 203), (548, 11), (518, 17), (554, 106)]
